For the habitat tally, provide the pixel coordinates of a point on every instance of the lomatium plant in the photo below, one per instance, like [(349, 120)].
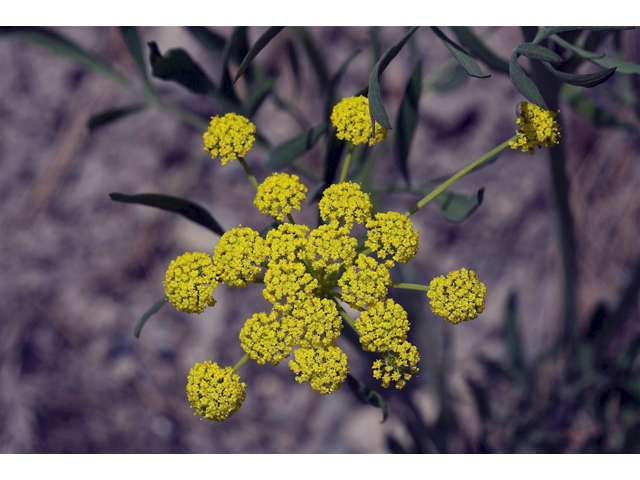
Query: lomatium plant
[(309, 275)]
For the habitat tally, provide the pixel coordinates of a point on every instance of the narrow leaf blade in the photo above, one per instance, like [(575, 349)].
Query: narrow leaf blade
[(367, 396), (262, 42), (523, 83), (134, 44), (187, 209), (407, 120), (108, 116), (152, 310), (479, 49), (288, 152), (621, 65), (589, 80), (538, 52), (463, 58), (376, 107)]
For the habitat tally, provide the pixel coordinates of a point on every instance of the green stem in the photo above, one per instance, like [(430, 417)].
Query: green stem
[(458, 176), (410, 286), (242, 361), (347, 160), (248, 172), (346, 316)]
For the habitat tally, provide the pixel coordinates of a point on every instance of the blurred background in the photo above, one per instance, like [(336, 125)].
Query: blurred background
[(79, 270)]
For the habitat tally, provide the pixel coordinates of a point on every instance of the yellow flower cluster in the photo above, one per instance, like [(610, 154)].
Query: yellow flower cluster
[(280, 193), (382, 326), (229, 137), (459, 297), (288, 242), (264, 339), (345, 201), (190, 282), (364, 283), (392, 235), (353, 122), (398, 365), (216, 393), (325, 368), (239, 255), (330, 247), (538, 128)]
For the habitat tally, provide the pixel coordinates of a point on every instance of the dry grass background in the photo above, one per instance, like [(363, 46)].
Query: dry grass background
[(78, 270)]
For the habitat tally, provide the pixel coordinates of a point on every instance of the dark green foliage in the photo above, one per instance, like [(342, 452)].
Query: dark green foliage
[(177, 66), (456, 207), (465, 60), (155, 308), (104, 118), (367, 396), (187, 209), (408, 120)]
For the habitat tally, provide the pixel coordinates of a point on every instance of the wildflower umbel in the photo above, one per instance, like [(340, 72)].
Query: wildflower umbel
[(279, 194), (392, 235), (216, 393), (345, 201), (229, 137), (325, 368), (458, 297), (353, 122), (190, 281), (239, 255), (538, 128)]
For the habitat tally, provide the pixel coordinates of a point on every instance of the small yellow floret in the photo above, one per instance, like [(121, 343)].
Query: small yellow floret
[(398, 365), (190, 281), (364, 283), (392, 234), (325, 368), (279, 194), (287, 283), (383, 325), (345, 201), (287, 242), (353, 122), (459, 297), (239, 255), (264, 338), (538, 128), (317, 322), (229, 137), (216, 393)]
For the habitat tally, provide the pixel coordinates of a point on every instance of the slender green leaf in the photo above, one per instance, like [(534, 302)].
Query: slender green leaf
[(177, 66), (407, 120), (463, 58), (316, 59), (477, 47), (134, 44), (621, 65), (523, 83), (56, 43), (577, 50), (288, 152), (376, 107), (589, 80), (153, 309), (335, 146), (456, 207), (104, 118), (187, 209), (292, 54), (545, 32), (262, 42), (226, 85), (367, 396), (537, 52)]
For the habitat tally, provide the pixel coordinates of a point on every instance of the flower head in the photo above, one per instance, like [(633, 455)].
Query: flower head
[(238, 256), (353, 122), (345, 201), (190, 281), (330, 247), (392, 235), (364, 283), (264, 338), (216, 393), (286, 284), (316, 322), (325, 368), (287, 242), (279, 194), (381, 326), (398, 365), (538, 128), (229, 137), (459, 297)]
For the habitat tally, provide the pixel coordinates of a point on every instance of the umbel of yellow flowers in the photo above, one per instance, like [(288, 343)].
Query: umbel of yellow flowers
[(305, 273), (538, 128)]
